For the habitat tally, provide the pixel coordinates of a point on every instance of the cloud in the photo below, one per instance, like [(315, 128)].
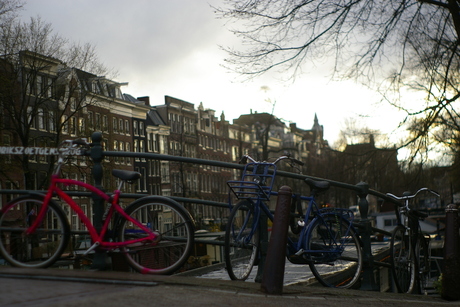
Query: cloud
[(171, 47)]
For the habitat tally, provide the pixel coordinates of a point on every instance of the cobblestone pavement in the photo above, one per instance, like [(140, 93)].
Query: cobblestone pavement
[(55, 287), (293, 273)]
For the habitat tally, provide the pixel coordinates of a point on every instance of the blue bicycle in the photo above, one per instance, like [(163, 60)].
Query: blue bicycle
[(325, 238)]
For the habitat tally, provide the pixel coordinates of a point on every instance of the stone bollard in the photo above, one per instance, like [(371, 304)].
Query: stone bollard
[(273, 276), (451, 272)]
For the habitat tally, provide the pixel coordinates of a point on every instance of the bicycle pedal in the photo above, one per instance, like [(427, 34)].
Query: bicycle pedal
[(299, 252)]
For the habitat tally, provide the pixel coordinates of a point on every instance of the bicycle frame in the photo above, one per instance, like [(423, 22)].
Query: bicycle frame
[(408, 219), (301, 244), (97, 238), (256, 186), (322, 235)]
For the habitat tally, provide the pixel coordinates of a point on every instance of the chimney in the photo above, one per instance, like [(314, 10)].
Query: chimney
[(145, 99)]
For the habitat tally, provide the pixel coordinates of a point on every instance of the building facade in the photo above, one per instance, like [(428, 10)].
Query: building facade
[(62, 102)]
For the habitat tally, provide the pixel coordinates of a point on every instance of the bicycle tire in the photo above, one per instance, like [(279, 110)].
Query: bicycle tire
[(402, 260), (176, 229), (334, 269), (40, 249), (423, 264), (241, 241)]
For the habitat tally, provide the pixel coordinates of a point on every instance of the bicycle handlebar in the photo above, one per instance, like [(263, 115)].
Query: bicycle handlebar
[(407, 197), (245, 159)]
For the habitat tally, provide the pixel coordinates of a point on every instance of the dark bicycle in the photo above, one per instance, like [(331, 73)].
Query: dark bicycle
[(409, 247), (327, 240)]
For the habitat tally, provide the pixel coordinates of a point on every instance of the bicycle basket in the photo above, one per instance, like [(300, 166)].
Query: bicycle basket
[(256, 182)]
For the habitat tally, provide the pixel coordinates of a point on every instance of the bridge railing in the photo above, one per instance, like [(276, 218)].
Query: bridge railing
[(361, 189)]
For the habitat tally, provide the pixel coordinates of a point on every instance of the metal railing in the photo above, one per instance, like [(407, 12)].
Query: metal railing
[(361, 189)]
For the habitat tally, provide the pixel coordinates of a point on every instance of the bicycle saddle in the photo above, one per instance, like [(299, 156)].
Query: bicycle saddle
[(317, 186), (126, 175), (418, 214)]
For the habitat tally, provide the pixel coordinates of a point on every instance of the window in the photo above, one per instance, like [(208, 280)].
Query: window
[(149, 142), (187, 125), (390, 222), (141, 146), (30, 86), (165, 172), (105, 123), (105, 146), (48, 88), (73, 104), (73, 126), (90, 120), (126, 126), (64, 123), (39, 85), (120, 126), (122, 159), (136, 148), (152, 142), (141, 128), (51, 125), (114, 125), (115, 148), (144, 179), (128, 148), (30, 119), (98, 121), (96, 88), (136, 132), (81, 126), (41, 119), (171, 122)]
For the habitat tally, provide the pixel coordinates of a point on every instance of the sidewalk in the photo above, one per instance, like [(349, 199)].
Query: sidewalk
[(56, 287)]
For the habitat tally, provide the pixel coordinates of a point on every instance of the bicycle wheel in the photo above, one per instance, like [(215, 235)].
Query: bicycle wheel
[(423, 264), (41, 248), (402, 261), (171, 221), (241, 243), (335, 256)]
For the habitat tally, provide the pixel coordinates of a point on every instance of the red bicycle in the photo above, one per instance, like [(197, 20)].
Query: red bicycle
[(154, 233)]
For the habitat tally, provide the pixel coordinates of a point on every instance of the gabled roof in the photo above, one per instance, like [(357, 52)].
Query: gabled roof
[(130, 98), (263, 118), (154, 118)]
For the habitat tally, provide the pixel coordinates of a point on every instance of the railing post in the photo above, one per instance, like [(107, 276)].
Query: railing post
[(263, 239), (368, 282), (273, 277), (100, 257), (451, 272)]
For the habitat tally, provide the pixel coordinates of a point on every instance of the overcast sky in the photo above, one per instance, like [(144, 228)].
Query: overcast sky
[(172, 48)]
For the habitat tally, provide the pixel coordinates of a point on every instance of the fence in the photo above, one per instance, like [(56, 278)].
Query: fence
[(361, 189)]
